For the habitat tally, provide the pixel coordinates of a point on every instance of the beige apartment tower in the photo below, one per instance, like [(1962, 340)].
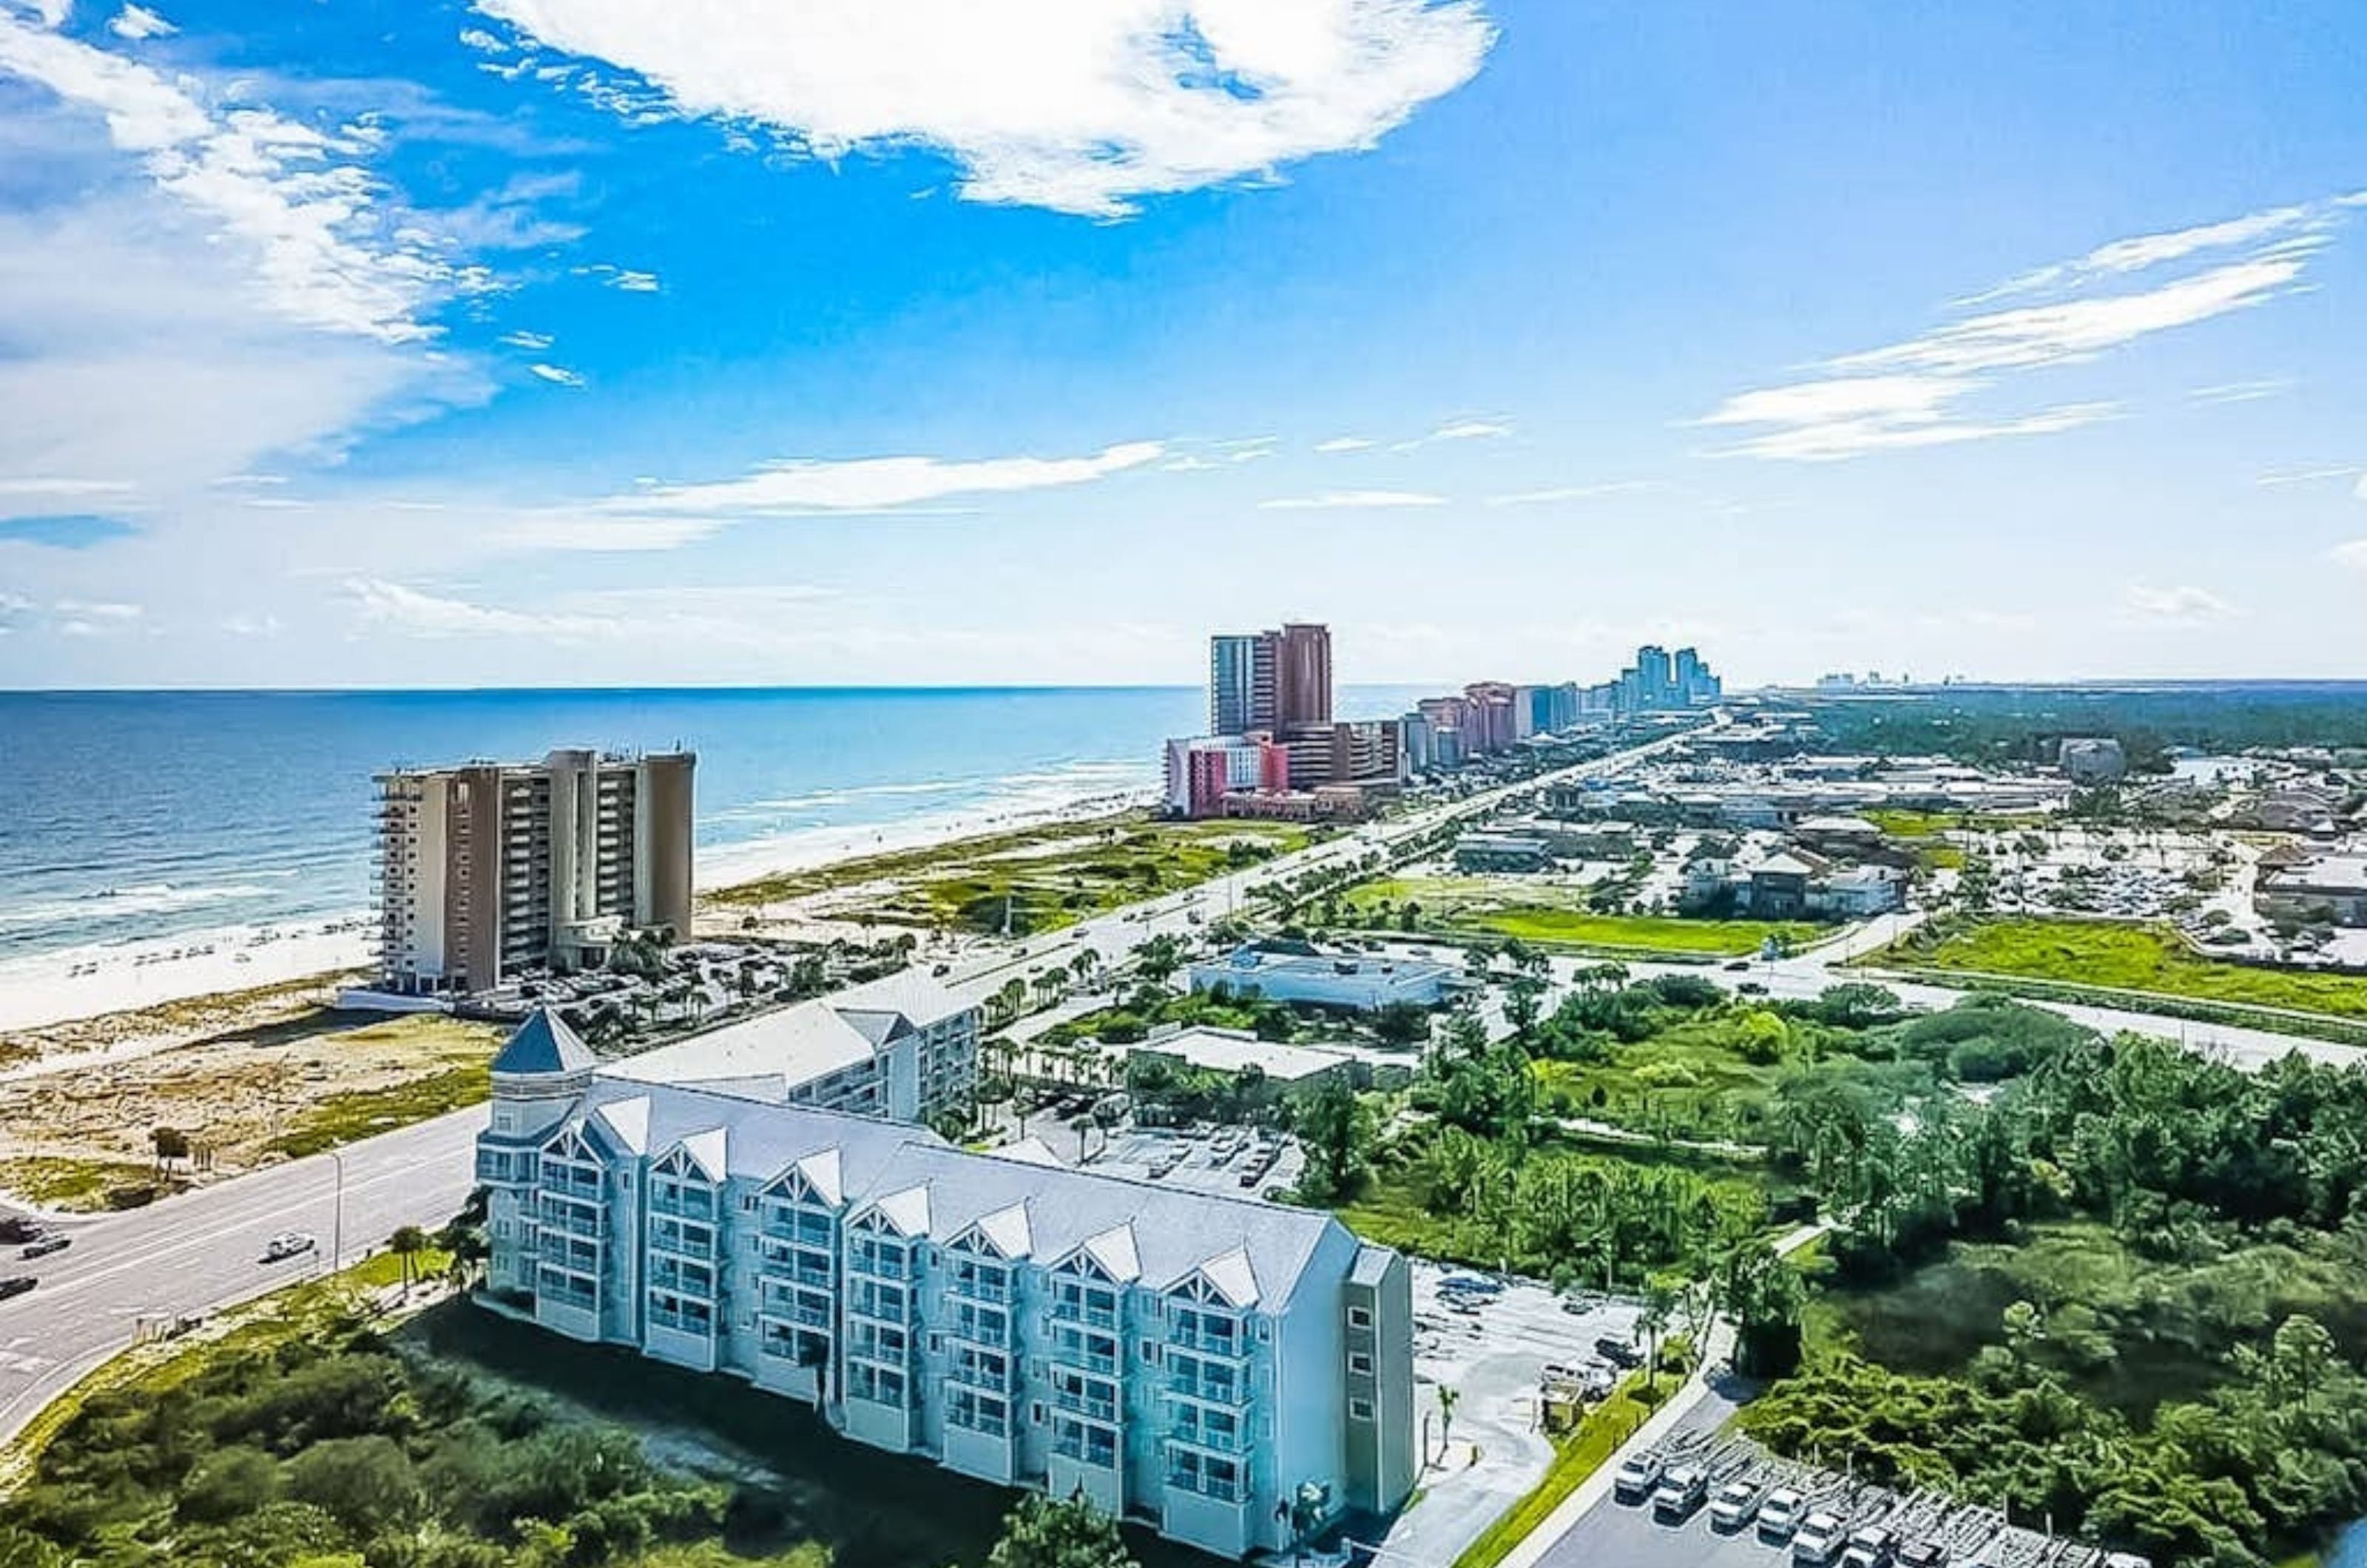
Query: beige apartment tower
[(491, 870)]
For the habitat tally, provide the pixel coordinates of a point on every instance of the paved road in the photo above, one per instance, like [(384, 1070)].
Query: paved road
[(203, 1251)]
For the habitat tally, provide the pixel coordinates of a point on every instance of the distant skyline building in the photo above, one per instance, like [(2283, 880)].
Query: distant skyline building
[(491, 870), (1303, 675)]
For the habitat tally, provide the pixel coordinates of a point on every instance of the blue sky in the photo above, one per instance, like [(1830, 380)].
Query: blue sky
[(391, 341)]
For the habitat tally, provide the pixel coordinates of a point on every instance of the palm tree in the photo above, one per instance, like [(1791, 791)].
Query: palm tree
[(407, 1244)]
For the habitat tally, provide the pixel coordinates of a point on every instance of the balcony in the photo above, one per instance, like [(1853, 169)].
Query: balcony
[(1093, 1404), (1090, 1316), (1207, 1384)]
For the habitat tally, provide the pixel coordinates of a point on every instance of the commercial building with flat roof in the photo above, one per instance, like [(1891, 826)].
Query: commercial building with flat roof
[(491, 870), (1186, 1361), (1365, 982)]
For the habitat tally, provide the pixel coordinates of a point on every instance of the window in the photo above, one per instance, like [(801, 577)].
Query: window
[(1359, 1318), (1360, 1410), (1361, 1364)]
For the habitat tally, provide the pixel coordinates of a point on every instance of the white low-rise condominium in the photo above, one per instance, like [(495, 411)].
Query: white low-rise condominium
[(1209, 1365)]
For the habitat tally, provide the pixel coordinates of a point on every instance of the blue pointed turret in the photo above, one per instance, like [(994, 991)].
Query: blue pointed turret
[(543, 1044)]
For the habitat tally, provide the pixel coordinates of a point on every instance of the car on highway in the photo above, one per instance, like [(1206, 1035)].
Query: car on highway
[(1751, 988), (15, 1228), (1636, 1476), (16, 1285), (288, 1244), (1922, 1554), (1871, 1547), (1779, 1515), (1739, 966), (1682, 1490), (1735, 1505), (45, 1246), (1819, 1539)]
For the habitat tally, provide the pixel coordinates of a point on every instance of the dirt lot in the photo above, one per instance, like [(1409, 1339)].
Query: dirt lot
[(249, 1079)]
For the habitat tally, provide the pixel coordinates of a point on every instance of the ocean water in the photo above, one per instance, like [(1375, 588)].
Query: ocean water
[(134, 817)]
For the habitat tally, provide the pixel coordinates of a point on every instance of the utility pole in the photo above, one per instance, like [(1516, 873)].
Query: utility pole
[(337, 1224)]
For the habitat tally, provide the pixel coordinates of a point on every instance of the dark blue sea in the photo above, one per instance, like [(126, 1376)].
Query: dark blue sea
[(139, 816)]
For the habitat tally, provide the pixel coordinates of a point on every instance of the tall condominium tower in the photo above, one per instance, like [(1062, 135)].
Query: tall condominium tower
[(490, 869), (1303, 684), (1242, 683)]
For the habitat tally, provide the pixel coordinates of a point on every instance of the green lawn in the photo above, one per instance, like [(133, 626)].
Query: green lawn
[(2127, 957), (1597, 1438), (1904, 824), (57, 1181), (1541, 912)]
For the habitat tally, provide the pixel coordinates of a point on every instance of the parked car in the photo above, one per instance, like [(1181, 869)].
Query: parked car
[(1751, 988), (1738, 966), (1872, 1547), (15, 1228), (1682, 1490), (1637, 1475), (288, 1244), (1819, 1539), (45, 1246), (1922, 1554), (1473, 1284), (16, 1285), (1779, 1514), (1618, 1352), (1735, 1505)]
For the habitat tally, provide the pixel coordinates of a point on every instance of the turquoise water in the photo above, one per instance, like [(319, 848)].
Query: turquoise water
[(129, 816)]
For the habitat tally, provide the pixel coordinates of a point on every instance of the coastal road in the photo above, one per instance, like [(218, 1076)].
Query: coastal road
[(203, 1251)]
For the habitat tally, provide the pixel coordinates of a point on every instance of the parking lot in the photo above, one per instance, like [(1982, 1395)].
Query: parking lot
[(1630, 1535), (1492, 1350), (1235, 1160)]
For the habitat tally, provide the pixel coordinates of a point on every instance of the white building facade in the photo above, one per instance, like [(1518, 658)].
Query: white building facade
[(1188, 1361)]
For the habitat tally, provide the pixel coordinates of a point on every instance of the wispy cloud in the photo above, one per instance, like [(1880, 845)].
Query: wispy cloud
[(557, 375), (302, 200), (2352, 554), (1342, 444), (1913, 393), (751, 615), (1079, 108), (2240, 391), (1471, 430), (2185, 603), (534, 343), (1352, 500), (873, 484), (60, 487), (64, 531), (2309, 476), (1573, 492)]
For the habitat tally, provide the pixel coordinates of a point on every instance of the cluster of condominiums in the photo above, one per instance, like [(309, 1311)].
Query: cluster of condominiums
[(1274, 749), (760, 1201)]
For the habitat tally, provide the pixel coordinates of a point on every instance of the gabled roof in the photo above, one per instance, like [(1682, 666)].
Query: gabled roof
[(908, 1211), (543, 1044), (627, 1123), (1114, 1249), (708, 1149), (1008, 1232), (1231, 1277)]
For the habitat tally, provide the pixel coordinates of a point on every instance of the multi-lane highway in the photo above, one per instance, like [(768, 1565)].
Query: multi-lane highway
[(203, 1251)]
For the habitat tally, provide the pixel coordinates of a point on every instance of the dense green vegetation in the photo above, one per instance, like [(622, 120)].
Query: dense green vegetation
[(2121, 1291), (2008, 724), (2124, 957), (1035, 879), (1531, 910)]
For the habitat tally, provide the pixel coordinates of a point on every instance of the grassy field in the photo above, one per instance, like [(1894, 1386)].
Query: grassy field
[(65, 1182), (1542, 912), (361, 1113), (2126, 957), (1904, 824), (1041, 878), (1596, 1439)]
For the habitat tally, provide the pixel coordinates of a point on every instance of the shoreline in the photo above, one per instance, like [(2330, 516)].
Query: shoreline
[(78, 985)]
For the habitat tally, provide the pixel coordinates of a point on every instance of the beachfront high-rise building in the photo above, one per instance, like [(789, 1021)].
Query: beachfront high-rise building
[(1303, 675), (491, 870), (1243, 681), (1190, 1361)]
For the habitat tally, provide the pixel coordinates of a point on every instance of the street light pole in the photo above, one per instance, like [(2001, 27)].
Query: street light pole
[(337, 1224)]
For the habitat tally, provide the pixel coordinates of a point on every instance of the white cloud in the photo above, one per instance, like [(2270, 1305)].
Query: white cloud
[(251, 625), (871, 484), (100, 609), (750, 616), (1079, 106), (299, 201), (63, 489), (1910, 393), (1349, 500), (1342, 444), (136, 22), (532, 341), (635, 282), (557, 375), (1471, 430), (2240, 391), (1572, 492), (2308, 476), (2184, 603), (2352, 554)]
